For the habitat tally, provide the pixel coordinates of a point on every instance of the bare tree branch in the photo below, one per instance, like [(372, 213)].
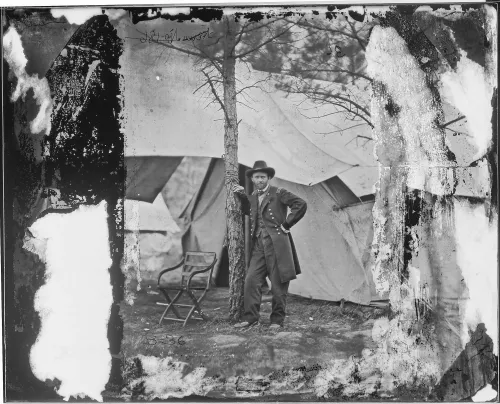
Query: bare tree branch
[(262, 44), (319, 116), (213, 60), (189, 52), (325, 98), (355, 34), (200, 87), (238, 38), (248, 106), (360, 137), (254, 85), (333, 31), (214, 43), (290, 71), (247, 97), (262, 25), (444, 125), (341, 131), (214, 92)]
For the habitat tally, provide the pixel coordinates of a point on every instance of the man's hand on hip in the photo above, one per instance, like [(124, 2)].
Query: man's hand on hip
[(285, 228)]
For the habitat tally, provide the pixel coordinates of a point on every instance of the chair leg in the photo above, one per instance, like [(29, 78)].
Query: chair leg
[(197, 304), (170, 304), (195, 308), (188, 316)]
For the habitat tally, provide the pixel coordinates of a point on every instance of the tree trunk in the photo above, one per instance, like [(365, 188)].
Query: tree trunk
[(235, 236)]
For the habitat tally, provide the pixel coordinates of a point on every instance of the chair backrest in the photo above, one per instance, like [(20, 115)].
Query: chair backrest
[(198, 261)]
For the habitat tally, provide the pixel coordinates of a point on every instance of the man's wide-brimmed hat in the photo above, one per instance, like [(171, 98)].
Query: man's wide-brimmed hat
[(260, 166)]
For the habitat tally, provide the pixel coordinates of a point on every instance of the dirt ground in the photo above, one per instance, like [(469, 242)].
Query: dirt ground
[(315, 333)]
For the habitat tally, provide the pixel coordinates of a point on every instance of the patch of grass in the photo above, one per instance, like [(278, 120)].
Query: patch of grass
[(217, 321), (316, 329), (319, 310)]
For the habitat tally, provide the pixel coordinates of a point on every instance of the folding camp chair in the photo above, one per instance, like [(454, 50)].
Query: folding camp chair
[(193, 263)]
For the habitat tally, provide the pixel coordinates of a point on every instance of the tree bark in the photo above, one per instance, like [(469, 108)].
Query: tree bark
[(235, 236)]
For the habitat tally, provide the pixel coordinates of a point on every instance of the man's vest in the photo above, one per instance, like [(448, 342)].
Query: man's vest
[(261, 227)]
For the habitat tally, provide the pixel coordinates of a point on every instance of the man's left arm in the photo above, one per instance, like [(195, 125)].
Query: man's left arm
[(297, 205)]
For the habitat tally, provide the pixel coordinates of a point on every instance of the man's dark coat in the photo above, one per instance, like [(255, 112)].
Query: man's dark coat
[(274, 214)]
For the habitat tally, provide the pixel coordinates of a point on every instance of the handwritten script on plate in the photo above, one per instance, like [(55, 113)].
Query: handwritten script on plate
[(171, 36)]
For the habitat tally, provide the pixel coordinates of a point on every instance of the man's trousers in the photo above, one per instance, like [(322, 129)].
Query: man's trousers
[(263, 263)]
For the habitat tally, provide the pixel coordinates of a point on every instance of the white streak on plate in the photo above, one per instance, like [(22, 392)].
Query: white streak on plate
[(485, 394), (75, 302)]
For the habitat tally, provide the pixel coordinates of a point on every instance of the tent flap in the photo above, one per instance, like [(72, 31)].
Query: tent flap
[(146, 176), (206, 215)]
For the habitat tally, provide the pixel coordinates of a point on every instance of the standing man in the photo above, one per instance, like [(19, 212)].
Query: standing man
[(273, 252)]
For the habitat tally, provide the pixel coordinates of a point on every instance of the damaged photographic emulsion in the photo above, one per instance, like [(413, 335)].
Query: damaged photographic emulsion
[(282, 203)]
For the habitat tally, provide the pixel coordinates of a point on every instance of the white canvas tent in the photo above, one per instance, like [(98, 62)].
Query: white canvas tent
[(168, 121), (149, 230), (333, 244)]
